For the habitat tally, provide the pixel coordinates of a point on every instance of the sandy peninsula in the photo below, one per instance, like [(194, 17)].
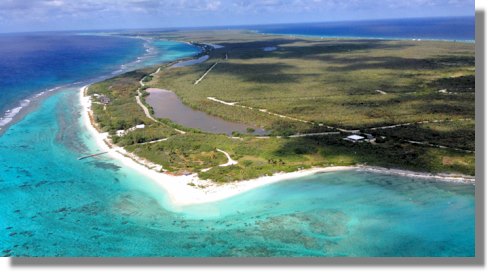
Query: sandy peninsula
[(190, 190), (185, 190)]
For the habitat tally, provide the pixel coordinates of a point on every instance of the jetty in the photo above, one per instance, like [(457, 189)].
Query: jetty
[(92, 155)]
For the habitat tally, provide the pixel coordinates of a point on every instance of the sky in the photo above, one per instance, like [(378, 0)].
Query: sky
[(53, 15)]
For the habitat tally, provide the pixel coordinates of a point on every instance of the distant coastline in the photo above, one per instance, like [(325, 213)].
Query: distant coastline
[(326, 37), (456, 29)]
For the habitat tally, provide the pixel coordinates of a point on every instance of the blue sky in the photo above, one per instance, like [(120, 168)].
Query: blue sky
[(45, 15)]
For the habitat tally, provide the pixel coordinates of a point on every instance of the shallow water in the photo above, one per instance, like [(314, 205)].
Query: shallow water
[(166, 51), (55, 205), (34, 65), (167, 104)]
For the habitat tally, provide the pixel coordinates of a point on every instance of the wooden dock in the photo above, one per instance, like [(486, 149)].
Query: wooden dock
[(92, 155)]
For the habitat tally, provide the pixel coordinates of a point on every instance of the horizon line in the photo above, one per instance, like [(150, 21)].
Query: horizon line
[(232, 25)]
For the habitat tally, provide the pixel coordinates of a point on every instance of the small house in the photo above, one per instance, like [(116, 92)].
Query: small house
[(354, 138), (104, 99)]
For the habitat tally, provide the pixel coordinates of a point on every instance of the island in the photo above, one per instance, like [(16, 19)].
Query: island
[(254, 105)]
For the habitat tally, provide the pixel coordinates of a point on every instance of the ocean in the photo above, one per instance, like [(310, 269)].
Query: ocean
[(32, 65), (55, 205), (451, 29)]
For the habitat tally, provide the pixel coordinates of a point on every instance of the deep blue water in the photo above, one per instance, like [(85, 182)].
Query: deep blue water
[(55, 205), (33, 63), (455, 28)]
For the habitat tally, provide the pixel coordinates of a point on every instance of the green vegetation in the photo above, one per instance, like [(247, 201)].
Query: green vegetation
[(328, 81), (457, 134), (182, 153), (258, 157), (346, 84), (122, 112)]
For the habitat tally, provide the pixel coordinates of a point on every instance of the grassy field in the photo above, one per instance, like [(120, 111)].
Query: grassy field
[(331, 81), (345, 84)]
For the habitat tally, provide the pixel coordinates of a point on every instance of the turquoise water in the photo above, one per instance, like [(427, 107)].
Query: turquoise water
[(166, 51), (31, 64), (55, 205)]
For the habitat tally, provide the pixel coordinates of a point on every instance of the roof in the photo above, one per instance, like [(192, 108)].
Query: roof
[(355, 137)]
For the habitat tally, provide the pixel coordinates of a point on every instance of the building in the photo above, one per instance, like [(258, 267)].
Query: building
[(104, 99), (354, 138), (122, 132)]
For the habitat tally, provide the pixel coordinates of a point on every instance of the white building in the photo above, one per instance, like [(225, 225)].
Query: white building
[(121, 132), (354, 138)]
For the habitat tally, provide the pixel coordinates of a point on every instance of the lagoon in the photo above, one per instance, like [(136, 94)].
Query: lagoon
[(166, 104), (55, 205)]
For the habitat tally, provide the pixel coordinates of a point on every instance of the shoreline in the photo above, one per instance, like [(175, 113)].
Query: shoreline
[(16, 112), (184, 190), (23, 107), (346, 38), (190, 190), (453, 178)]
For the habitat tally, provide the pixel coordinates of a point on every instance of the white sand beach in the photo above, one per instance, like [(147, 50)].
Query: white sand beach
[(190, 190), (186, 190)]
